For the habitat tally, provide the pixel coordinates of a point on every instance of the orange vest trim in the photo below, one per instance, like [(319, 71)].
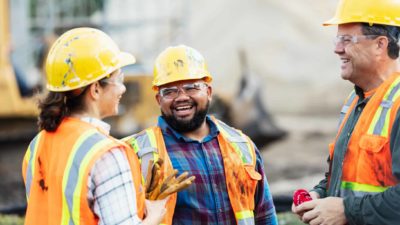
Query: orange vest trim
[(57, 165), (239, 162), (366, 166)]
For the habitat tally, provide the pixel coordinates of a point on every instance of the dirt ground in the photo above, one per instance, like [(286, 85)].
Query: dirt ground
[(299, 161)]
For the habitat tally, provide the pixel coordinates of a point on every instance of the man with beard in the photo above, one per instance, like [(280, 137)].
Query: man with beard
[(230, 185)]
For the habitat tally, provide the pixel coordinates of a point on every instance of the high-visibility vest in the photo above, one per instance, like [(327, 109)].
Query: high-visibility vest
[(239, 160), (56, 167), (367, 167)]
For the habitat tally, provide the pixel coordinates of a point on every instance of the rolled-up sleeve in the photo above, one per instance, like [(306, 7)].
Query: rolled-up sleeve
[(111, 193)]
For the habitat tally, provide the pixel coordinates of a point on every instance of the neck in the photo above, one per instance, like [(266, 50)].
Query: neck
[(380, 76), (89, 112), (200, 133)]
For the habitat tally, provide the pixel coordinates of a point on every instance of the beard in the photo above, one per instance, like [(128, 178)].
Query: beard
[(184, 126)]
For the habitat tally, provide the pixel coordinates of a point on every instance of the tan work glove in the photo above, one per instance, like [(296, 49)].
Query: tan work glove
[(157, 189)]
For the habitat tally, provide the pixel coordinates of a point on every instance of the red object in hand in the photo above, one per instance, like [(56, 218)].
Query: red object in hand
[(301, 196)]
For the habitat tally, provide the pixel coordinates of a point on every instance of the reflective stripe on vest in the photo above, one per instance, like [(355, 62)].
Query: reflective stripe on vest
[(358, 189), (380, 122), (245, 217), (84, 149), (239, 142), (244, 150), (143, 144), (30, 156), (379, 127), (346, 107)]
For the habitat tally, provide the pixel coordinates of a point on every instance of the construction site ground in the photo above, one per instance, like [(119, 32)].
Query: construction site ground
[(298, 161)]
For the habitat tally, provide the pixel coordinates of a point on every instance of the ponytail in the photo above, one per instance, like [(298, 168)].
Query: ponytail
[(57, 105), (53, 109)]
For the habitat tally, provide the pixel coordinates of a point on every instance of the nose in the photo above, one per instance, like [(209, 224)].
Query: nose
[(182, 95), (339, 48), (123, 88)]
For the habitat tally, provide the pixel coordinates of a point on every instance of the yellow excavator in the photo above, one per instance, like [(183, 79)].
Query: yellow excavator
[(18, 113)]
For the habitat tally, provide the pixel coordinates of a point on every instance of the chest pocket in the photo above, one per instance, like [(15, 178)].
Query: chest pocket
[(374, 161), (372, 143)]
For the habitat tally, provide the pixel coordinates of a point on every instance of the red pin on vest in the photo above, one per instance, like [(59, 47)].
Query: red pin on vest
[(301, 196)]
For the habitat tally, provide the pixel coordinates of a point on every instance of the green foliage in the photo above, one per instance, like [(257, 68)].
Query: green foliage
[(11, 220), (289, 218)]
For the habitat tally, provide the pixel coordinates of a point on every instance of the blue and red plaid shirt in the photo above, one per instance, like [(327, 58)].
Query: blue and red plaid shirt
[(207, 201)]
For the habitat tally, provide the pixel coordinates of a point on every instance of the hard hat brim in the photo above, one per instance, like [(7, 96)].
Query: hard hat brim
[(207, 78), (126, 59), (123, 59)]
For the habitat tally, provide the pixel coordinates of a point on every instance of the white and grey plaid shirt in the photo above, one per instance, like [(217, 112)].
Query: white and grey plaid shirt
[(111, 193)]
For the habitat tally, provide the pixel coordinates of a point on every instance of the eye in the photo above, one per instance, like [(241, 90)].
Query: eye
[(168, 91), (346, 40)]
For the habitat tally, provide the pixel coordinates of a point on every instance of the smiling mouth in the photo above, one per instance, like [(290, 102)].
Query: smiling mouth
[(183, 108), (345, 60)]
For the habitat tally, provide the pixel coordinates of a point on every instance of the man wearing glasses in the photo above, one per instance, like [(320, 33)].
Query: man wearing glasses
[(230, 185), (362, 184)]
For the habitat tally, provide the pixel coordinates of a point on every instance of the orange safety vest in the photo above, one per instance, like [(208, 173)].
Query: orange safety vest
[(56, 167), (239, 163), (367, 167)]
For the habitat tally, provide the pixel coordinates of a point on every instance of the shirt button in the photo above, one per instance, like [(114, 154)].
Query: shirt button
[(348, 134), (359, 109)]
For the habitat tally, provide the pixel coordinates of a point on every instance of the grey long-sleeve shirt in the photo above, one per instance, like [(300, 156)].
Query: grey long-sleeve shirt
[(382, 208)]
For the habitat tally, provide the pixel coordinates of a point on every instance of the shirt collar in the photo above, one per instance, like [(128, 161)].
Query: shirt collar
[(168, 130), (97, 123), (364, 95)]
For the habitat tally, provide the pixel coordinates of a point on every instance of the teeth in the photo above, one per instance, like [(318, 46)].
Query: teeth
[(345, 60), (183, 108)]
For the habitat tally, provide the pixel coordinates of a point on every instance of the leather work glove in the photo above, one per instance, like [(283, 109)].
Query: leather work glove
[(157, 189)]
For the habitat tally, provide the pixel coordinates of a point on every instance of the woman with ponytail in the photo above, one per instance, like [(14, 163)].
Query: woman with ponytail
[(74, 171)]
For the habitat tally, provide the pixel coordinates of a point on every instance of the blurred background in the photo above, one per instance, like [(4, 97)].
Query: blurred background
[(275, 74)]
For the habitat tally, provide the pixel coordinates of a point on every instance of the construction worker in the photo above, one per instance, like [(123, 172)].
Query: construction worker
[(362, 184), (74, 171), (230, 185)]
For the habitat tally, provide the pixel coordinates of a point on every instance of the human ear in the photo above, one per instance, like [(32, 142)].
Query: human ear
[(158, 98), (383, 42), (209, 92), (94, 90)]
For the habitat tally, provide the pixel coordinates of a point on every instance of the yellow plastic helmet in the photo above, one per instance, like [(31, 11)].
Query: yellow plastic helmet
[(386, 12), (82, 56), (179, 63)]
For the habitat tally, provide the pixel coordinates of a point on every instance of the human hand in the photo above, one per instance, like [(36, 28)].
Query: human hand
[(155, 211), (160, 189), (300, 197), (327, 211)]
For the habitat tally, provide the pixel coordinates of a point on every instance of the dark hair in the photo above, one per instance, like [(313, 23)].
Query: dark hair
[(57, 105), (391, 32)]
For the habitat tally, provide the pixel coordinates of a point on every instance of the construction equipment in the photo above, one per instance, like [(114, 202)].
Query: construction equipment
[(138, 106)]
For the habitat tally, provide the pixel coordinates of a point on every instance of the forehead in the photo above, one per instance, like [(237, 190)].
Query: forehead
[(180, 83), (349, 29)]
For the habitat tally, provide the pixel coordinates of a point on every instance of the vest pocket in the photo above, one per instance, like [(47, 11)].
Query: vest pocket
[(372, 143), (373, 162), (253, 174)]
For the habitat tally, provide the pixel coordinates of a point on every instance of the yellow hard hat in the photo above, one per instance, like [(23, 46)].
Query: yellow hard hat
[(179, 63), (384, 12), (82, 56)]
